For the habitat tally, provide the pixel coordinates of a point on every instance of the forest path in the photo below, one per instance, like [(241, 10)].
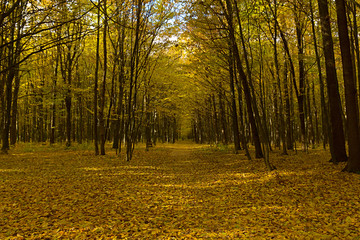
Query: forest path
[(175, 191)]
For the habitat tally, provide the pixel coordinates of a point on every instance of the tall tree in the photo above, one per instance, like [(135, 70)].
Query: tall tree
[(326, 131), (249, 100), (352, 110), (103, 85), (337, 136), (278, 82), (12, 41), (71, 49), (96, 81), (234, 114)]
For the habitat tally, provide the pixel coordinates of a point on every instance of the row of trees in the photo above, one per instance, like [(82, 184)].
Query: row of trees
[(261, 72), (268, 73), (87, 70)]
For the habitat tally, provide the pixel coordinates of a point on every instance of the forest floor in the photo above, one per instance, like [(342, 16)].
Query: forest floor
[(175, 191)]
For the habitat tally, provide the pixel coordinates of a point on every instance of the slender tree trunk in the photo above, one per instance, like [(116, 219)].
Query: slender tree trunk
[(148, 122), (8, 89), (68, 99), (96, 137), (103, 86), (53, 117), (289, 131), (308, 112), (261, 127), (289, 89), (2, 105), (131, 104), (222, 118), (357, 48), (244, 80), (120, 112), (301, 97), (14, 116), (326, 131), (216, 122), (8, 97), (242, 127), (277, 68), (233, 104)]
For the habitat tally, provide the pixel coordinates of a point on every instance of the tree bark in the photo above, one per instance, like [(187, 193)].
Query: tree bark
[(96, 134), (352, 109), (337, 136), (326, 131), (243, 78), (53, 117), (281, 104), (103, 86), (301, 96), (14, 116), (233, 104), (8, 88)]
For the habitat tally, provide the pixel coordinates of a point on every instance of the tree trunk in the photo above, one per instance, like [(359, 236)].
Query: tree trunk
[(148, 123), (14, 116), (96, 136), (103, 86), (53, 117), (233, 105), (357, 48), (281, 104), (352, 109), (8, 89), (242, 127), (243, 78), (223, 118), (337, 137), (68, 99), (132, 97), (215, 119), (8, 97), (326, 131), (289, 129), (301, 96)]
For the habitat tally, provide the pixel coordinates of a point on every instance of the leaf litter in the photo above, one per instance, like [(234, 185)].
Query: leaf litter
[(176, 192)]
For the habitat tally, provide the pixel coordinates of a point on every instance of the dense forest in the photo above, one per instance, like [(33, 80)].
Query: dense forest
[(179, 119), (265, 74)]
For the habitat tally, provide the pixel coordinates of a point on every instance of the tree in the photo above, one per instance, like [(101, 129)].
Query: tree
[(249, 100), (103, 85), (352, 110), (324, 109), (337, 136), (11, 45), (96, 80), (233, 102), (70, 51)]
